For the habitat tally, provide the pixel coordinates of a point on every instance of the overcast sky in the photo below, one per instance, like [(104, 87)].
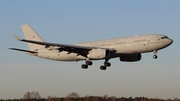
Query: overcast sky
[(70, 21)]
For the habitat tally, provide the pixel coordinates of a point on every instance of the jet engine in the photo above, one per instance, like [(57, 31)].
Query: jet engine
[(97, 54), (130, 57)]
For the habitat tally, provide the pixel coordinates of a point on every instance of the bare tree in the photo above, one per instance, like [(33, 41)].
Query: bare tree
[(27, 95), (49, 98), (73, 95), (112, 98), (169, 99), (32, 95), (105, 96), (53, 98), (176, 99)]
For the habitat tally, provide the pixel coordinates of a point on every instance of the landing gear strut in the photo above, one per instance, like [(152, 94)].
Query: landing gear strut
[(85, 66), (155, 52), (106, 64)]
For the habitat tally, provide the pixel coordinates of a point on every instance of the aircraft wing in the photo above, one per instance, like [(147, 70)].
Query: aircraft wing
[(80, 50)]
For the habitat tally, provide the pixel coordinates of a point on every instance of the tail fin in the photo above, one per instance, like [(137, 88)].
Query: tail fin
[(30, 34)]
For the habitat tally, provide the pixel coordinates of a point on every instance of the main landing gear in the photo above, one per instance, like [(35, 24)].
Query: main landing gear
[(102, 67), (85, 66), (106, 64), (155, 52)]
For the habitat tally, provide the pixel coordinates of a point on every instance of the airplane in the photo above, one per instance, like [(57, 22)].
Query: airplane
[(127, 49)]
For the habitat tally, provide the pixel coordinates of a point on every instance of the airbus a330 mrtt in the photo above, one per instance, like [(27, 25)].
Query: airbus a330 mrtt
[(127, 49)]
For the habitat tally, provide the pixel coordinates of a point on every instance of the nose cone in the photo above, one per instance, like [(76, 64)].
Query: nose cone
[(170, 41)]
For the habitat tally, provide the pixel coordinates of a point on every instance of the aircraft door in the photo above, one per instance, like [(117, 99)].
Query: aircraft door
[(146, 44)]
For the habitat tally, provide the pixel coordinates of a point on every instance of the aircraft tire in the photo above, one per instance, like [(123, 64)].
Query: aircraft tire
[(107, 64), (155, 56), (84, 66), (103, 67), (89, 63)]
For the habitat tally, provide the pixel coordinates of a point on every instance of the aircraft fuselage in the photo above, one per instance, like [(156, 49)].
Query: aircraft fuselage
[(128, 45)]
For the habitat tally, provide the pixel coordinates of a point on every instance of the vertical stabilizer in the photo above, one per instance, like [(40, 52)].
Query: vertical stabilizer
[(30, 34)]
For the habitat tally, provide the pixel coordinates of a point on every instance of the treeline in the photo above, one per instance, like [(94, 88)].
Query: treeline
[(95, 98), (35, 96)]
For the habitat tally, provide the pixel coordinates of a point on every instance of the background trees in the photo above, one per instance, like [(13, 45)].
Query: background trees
[(32, 95), (73, 95), (35, 96)]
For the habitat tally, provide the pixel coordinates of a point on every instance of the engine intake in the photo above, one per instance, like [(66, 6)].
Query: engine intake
[(97, 54), (130, 57)]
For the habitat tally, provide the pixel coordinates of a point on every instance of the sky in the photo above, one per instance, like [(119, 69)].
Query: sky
[(69, 22)]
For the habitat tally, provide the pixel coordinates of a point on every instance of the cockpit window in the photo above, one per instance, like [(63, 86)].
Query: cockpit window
[(165, 37)]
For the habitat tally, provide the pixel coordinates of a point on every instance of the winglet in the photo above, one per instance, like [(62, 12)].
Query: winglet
[(18, 38)]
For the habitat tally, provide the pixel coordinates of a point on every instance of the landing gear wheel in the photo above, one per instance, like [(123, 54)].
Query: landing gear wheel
[(155, 56), (89, 63), (103, 67), (84, 66), (107, 64)]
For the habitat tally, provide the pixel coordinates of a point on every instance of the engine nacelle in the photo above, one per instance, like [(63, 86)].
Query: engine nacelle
[(97, 54), (130, 57)]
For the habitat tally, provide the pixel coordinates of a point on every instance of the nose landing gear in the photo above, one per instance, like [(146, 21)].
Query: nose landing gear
[(155, 52)]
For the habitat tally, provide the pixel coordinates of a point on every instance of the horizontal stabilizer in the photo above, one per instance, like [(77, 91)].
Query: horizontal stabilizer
[(23, 50), (18, 38)]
